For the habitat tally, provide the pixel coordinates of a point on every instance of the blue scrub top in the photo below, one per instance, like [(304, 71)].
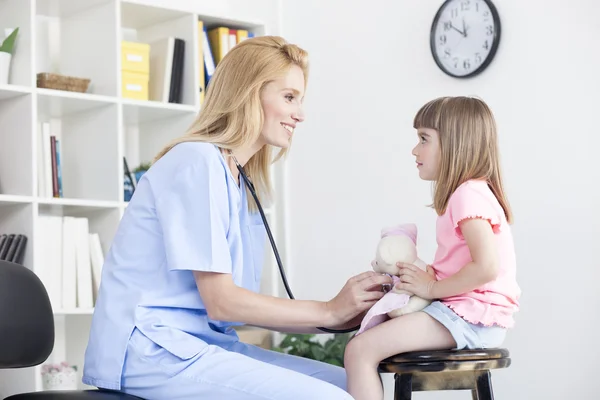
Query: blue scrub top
[(187, 214)]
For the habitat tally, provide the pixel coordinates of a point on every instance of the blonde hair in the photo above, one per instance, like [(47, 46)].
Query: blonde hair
[(232, 114), (468, 145)]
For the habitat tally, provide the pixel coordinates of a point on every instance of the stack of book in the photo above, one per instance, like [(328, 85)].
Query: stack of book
[(70, 261), (49, 164), (12, 247), (214, 44), (166, 69)]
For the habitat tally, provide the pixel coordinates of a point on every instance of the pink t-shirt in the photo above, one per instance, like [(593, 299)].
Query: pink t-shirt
[(496, 301)]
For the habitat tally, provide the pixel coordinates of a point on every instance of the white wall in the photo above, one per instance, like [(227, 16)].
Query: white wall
[(351, 172)]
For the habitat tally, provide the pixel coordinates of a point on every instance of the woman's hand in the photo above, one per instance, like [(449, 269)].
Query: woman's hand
[(416, 281), (358, 295)]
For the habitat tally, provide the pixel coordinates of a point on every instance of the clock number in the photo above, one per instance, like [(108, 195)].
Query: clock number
[(489, 30), (455, 59), (486, 45), (477, 7), (467, 64), (447, 25), (478, 58), (465, 6), (454, 13), (447, 53), (442, 40), (486, 14)]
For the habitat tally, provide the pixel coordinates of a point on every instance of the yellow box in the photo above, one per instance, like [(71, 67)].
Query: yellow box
[(134, 85), (135, 57)]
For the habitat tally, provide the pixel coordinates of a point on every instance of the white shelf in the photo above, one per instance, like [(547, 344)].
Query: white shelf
[(58, 104), (96, 129), (141, 112), (7, 199), (75, 96), (70, 205), (10, 91)]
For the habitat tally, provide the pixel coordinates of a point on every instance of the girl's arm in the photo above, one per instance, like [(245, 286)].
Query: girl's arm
[(483, 269)]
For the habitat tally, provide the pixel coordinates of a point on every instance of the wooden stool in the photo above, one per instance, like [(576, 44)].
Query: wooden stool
[(445, 370)]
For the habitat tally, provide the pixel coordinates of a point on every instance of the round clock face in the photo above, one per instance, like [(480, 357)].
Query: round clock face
[(464, 36)]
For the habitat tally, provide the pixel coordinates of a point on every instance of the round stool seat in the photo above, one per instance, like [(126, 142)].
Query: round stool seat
[(74, 395), (446, 360)]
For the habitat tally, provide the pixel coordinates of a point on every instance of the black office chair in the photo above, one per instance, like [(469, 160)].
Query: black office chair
[(27, 331)]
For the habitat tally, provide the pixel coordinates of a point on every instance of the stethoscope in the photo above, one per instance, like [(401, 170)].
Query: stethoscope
[(274, 246)]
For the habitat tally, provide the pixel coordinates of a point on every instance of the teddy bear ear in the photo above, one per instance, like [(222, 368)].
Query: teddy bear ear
[(409, 230)]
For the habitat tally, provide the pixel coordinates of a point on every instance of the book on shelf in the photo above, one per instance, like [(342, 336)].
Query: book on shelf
[(214, 44), (166, 69), (222, 39), (69, 261), (12, 247), (49, 163)]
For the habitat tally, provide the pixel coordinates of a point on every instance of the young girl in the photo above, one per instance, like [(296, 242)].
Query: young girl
[(472, 278)]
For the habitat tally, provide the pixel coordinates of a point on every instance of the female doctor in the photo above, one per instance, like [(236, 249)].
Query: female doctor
[(186, 260)]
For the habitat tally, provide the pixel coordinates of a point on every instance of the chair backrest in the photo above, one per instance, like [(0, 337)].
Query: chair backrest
[(26, 318)]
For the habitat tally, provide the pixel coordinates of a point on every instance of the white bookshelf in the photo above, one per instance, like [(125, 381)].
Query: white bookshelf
[(97, 129)]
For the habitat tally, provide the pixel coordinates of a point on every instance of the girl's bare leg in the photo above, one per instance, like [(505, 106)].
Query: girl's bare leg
[(411, 332)]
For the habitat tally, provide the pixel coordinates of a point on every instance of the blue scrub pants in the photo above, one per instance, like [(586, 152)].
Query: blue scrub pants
[(242, 372)]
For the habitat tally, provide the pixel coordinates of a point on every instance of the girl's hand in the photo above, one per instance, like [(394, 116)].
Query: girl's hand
[(415, 280)]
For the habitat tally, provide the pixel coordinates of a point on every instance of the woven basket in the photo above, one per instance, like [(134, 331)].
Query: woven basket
[(61, 82)]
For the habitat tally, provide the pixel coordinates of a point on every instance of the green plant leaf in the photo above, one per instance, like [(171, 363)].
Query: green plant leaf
[(303, 347), (332, 351), (143, 167), (318, 353), (9, 43)]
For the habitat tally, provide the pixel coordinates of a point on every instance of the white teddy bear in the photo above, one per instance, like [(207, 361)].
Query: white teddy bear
[(397, 244)]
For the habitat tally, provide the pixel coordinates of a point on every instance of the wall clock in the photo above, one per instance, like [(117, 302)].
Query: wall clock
[(464, 37)]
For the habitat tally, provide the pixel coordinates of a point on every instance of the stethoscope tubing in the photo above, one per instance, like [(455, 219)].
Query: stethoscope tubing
[(274, 246)]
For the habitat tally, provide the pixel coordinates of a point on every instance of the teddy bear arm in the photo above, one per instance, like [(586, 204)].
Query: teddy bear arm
[(420, 264)]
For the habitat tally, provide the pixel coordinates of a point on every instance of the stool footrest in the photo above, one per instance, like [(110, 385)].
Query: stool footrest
[(451, 380)]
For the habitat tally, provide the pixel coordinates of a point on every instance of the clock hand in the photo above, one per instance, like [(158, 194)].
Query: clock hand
[(464, 28), (453, 27)]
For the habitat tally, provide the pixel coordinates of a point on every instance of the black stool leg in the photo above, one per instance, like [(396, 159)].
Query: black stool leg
[(484, 386), (474, 394), (403, 387)]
